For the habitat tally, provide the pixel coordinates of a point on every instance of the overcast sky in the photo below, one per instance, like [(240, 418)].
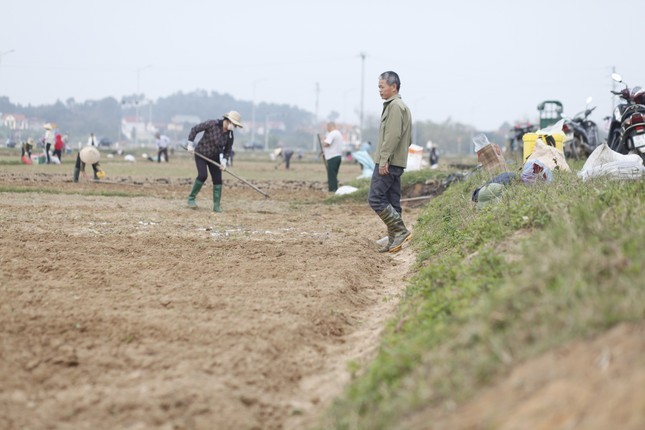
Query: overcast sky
[(481, 62)]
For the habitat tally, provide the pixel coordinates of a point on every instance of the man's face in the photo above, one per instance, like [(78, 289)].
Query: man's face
[(386, 91)]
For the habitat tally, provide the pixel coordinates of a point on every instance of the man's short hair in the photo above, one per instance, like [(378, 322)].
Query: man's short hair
[(391, 78)]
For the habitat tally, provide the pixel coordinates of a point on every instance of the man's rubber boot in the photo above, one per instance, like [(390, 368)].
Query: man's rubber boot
[(217, 197), (389, 218), (77, 172), (401, 234), (396, 231), (385, 239), (191, 198)]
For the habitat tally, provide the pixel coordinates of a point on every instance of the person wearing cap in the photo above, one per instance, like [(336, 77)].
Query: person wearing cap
[(88, 154), (216, 144)]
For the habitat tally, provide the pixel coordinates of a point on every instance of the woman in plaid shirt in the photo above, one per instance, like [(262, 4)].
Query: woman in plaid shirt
[(216, 144)]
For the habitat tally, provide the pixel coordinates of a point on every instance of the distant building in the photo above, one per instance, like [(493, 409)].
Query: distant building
[(14, 121)]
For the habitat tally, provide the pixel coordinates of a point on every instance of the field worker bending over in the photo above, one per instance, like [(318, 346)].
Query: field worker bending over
[(88, 154), (285, 156), (216, 144), (391, 159)]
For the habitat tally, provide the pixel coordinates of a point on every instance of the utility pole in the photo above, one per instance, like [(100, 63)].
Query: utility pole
[(150, 113), (136, 119), (363, 55), (266, 132), (255, 83), (315, 136)]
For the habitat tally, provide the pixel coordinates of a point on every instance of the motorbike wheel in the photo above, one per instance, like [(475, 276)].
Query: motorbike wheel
[(613, 140), (575, 148), (628, 148)]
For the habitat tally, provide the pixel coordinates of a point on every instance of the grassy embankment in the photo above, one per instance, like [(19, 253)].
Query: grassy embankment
[(549, 263)]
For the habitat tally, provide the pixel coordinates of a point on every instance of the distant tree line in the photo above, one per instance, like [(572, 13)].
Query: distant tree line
[(103, 118)]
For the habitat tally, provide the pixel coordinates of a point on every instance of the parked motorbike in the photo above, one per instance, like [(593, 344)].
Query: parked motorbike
[(627, 128), (515, 142), (581, 134)]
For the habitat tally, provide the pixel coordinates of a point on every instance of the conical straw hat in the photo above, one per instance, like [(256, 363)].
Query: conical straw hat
[(90, 155)]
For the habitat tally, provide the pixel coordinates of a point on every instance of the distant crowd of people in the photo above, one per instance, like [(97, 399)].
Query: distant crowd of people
[(53, 143)]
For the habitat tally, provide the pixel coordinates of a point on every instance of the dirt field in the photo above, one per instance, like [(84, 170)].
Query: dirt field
[(131, 311), (136, 312)]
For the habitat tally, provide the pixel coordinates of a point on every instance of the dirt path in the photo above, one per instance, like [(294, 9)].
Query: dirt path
[(134, 312)]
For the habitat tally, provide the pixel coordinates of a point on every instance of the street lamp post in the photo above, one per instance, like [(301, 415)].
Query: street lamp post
[(150, 114), (315, 136), (253, 110), (363, 55), (266, 132), (136, 103), (267, 127)]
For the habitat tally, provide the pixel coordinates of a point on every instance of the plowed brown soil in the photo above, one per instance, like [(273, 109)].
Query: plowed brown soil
[(121, 308), (135, 312)]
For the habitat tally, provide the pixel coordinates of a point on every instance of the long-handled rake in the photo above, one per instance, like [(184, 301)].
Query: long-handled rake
[(228, 171)]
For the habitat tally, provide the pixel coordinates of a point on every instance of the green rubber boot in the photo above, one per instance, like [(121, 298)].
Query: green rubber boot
[(217, 197), (396, 230), (191, 198)]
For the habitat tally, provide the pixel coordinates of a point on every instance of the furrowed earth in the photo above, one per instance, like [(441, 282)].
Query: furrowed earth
[(121, 308), (135, 312)]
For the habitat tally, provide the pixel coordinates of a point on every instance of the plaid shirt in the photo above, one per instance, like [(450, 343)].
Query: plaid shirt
[(214, 141)]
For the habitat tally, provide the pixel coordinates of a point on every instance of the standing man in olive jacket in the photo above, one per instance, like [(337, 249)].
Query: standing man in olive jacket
[(391, 159), (216, 144)]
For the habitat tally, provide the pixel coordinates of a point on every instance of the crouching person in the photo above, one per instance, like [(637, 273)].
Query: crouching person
[(88, 155)]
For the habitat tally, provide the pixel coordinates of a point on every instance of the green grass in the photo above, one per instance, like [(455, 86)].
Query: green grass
[(363, 185), (549, 263)]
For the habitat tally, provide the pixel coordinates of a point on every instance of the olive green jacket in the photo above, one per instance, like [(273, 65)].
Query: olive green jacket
[(395, 133)]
